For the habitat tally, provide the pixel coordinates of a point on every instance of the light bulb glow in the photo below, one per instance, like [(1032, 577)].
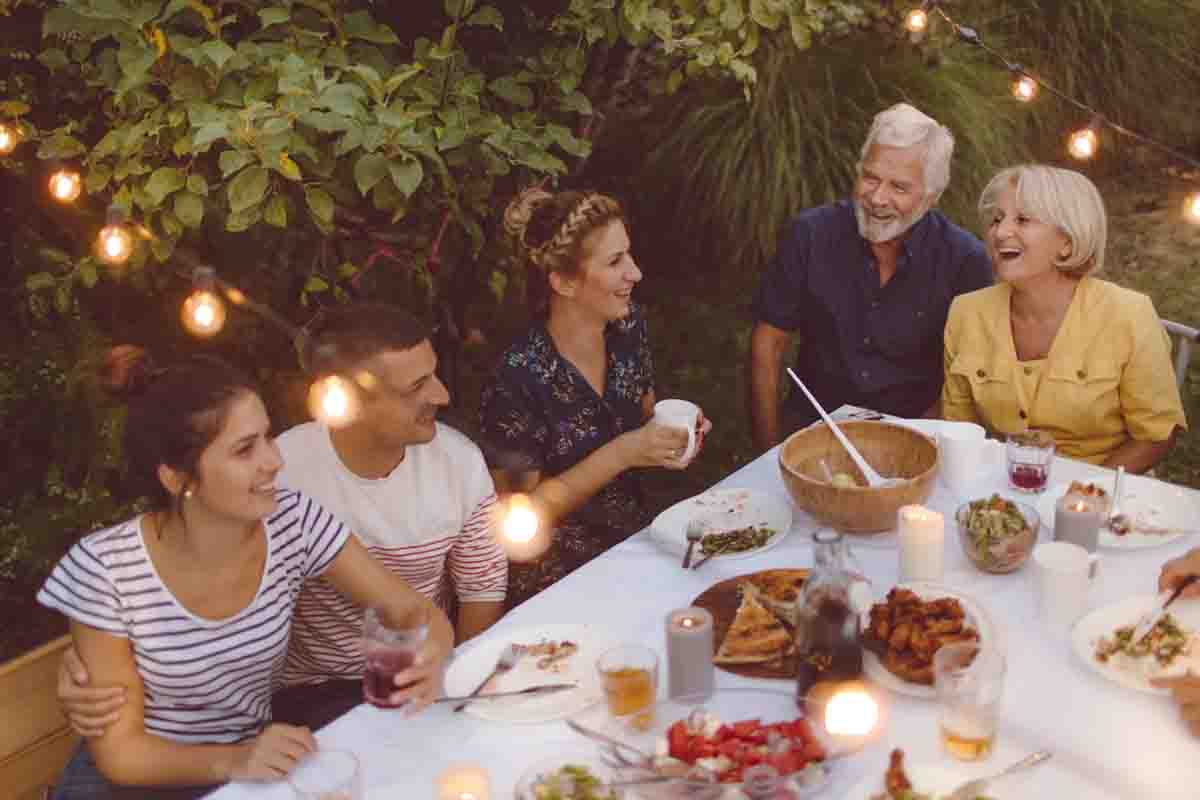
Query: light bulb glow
[(851, 712), (115, 245), (1025, 88), (917, 20), (1083, 144), (8, 139), (203, 314), (521, 523), (1191, 208), (65, 186), (333, 400)]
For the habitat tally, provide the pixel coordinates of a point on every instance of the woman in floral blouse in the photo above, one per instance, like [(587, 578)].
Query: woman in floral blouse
[(565, 415)]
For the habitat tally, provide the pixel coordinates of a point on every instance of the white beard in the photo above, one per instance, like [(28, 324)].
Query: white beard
[(877, 231)]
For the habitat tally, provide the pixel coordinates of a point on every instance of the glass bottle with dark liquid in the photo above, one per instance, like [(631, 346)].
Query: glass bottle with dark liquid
[(827, 628)]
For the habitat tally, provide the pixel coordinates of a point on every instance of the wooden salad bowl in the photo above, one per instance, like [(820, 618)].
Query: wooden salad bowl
[(893, 450)]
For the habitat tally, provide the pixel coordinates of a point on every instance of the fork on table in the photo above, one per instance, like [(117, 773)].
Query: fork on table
[(508, 659)]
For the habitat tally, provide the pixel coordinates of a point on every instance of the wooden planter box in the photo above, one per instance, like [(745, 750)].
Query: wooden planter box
[(35, 739)]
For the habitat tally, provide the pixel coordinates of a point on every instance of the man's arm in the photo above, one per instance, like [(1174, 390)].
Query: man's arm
[(1137, 457), (767, 345), (476, 617), (478, 568)]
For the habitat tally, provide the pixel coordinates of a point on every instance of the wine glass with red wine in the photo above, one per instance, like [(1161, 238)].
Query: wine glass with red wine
[(389, 649), (1030, 454)]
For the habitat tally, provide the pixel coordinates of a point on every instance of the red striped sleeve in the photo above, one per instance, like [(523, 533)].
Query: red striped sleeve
[(477, 562)]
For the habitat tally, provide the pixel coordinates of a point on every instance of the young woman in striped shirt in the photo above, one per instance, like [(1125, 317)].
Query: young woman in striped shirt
[(188, 607)]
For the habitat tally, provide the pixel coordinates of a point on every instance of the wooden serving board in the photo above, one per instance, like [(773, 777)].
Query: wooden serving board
[(722, 601)]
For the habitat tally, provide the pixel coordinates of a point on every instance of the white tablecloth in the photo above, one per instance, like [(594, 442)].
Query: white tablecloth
[(1108, 742)]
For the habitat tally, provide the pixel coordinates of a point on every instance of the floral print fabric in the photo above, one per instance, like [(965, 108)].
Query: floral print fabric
[(538, 413)]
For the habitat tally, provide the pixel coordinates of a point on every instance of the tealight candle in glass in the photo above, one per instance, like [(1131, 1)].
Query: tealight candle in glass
[(463, 782)]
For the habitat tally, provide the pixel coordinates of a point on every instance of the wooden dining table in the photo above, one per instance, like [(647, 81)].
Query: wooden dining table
[(1107, 741)]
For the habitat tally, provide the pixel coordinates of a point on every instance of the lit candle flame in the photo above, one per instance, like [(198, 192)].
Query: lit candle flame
[(917, 20), (65, 186), (203, 313), (851, 712), (521, 523), (687, 622), (1084, 144), (1079, 506), (1191, 208)]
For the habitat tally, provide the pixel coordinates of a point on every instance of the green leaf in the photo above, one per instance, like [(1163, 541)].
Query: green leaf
[(344, 98), (325, 121), (89, 276), (347, 269), (320, 203), (563, 137), (360, 25), (197, 184), (763, 13), (515, 93), (217, 51), (370, 77), (163, 181), (273, 16), (189, 207), (407, 176), (60, 145), (170, 224), (369, 170), (276, 212), (248, 188), (238, 222), (801, 32), (63, 299), (674, 81), (457, 9), (577, 101), (498, 283), (487, 15), (316, 283), (393, 83), (39, 281), (541, 161), (205, 135), (97, 178), (231, 161), (53, 59)]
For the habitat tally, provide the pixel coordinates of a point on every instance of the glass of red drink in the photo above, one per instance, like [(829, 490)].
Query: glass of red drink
[(389, 649), (1030, 454)]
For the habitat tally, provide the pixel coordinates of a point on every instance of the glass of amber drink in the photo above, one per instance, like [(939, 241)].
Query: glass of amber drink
[(969, 679), (629, 675)]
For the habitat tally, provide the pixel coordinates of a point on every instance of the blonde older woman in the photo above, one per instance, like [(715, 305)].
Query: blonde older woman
[(1051, 347)]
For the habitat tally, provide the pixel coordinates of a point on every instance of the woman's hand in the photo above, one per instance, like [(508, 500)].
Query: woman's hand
[(422, 682), (90, 711), (1177, 569), (654, 445), (1185, 691), (273, 754)]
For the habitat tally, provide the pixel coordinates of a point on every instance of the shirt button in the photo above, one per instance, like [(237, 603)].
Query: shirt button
[(1023, 414), (865, 374), (867, 341), (1029, 370), (980, 373), (874, 304), (1082, 374)]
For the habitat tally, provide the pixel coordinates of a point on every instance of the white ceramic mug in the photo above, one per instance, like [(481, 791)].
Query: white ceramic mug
[(679, 414), (967, 456), (1063, 573)]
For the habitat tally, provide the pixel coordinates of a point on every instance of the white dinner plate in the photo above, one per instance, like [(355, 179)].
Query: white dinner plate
[(931, 779), (736, 508), (1103, 621), (472, 666), (1147, 502), (976, 617)]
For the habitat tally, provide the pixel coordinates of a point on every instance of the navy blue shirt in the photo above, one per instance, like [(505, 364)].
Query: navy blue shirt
[(876, 347)]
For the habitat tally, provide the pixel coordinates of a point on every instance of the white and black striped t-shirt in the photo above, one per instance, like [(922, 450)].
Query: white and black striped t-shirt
[(205, 680)]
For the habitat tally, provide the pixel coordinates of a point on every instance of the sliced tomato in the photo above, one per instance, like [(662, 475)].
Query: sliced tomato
[(747, 727), (678, 741)]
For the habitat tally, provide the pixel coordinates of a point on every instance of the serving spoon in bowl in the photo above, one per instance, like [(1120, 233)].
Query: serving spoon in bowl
[(873, 478)]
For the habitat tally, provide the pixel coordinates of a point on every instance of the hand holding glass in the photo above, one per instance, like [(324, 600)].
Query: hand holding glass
[(389, 650)]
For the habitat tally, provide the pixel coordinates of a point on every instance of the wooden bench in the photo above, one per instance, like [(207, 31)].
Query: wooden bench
[(35, 739)]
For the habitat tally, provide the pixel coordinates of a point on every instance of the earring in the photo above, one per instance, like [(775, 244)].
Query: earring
[(187, 494)]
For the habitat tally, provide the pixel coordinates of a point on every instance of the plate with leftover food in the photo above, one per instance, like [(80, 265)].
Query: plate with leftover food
[(738, 523), (1151, 512), (753, 620), (553, 654), (1103, 641), (901, 633), (904, 781)]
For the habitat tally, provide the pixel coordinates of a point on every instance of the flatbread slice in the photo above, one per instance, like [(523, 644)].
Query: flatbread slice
[(779, 591), (755, 636)]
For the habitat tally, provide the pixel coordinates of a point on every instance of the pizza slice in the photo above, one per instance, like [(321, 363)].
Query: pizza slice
[(779, 591), (756, 636)]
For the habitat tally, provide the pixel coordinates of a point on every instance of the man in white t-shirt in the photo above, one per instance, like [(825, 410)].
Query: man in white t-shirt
[(416, 493)]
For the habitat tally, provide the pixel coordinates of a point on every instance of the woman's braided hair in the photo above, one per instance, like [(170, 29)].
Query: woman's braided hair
[(549, 229)]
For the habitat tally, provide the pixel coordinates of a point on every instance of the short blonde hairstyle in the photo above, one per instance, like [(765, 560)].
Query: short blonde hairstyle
[(905, 126), (1062, 198)]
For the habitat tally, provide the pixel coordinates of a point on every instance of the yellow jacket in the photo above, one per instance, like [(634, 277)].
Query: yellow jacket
[(1107, 378)]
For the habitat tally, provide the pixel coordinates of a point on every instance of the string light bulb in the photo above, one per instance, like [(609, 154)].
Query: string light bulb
[(917, 20), (333, 400), (114, 245), (203, 312), (521, 523), (9, 138), (1085, 142), (1024, 88), (1191, 208), (65, 185)]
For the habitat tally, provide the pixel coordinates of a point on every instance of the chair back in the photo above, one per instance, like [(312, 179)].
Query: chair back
[(35, 739), (1183, 337)]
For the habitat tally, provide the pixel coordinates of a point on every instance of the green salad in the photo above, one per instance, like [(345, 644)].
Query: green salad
[(571, 782), (992, 525)]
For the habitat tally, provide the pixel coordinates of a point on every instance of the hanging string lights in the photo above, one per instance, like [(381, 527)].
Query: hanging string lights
[(114, 245), (203, 312), (1082, 144), (10, 137), (65, 185)]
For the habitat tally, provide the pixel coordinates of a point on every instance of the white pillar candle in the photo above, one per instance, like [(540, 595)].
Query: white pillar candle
[(922, 544), (1077, 520), (463, 782), (689, 652)]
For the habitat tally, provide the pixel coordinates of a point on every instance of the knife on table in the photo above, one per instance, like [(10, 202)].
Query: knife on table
[(532, 691), (1160, 608)]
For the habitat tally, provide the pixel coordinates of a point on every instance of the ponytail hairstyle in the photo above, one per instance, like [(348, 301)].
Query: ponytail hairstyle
[(549, 229), (174, 413)]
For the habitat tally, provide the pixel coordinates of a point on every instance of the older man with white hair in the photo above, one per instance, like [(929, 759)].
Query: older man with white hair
[(865, 284)]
